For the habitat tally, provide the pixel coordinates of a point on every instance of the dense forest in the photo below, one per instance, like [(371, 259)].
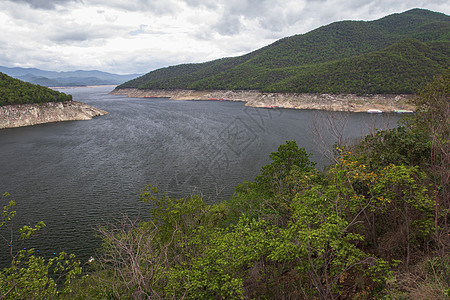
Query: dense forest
[(395, 54), (373, 225), (15, 91)]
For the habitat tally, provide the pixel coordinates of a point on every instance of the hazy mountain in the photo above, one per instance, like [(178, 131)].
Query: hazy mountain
[(71, 78), (395, 54)]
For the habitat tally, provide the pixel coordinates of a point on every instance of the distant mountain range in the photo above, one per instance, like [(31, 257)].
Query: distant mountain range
[(72, 78), (393, 55)]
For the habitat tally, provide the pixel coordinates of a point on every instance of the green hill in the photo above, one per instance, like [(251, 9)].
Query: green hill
[(15, 91), (395, 54)]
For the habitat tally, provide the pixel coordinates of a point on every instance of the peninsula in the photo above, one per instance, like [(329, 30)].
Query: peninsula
[(25, 104), (331, 102), (20, 115)]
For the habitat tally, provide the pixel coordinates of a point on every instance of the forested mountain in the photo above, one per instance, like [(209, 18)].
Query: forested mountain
[(15, 91), (395, 54), (71, 78)]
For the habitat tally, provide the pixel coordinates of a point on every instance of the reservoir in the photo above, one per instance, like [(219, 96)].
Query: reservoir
[(78, 175)]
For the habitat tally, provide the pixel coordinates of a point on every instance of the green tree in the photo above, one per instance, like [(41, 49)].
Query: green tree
[(433, 118), (31, 276), (287, 159)]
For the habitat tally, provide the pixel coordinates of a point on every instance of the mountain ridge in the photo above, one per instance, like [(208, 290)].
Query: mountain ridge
[(343, 43), (66, 78)]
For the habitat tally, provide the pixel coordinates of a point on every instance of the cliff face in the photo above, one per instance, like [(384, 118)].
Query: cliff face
[(32, 114), (386, 103)]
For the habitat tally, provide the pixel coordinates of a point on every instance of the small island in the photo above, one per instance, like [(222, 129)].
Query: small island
[(25, 104)]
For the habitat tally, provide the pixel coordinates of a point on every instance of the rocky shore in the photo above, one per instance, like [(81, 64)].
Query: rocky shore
[(353, 103), (32, 114)]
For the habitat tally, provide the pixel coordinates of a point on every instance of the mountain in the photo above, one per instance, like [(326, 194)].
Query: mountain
[(15, 91), (71, 78), (395, 54)]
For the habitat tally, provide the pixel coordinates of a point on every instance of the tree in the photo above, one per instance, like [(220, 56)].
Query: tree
[(433, 118), (31, 276)]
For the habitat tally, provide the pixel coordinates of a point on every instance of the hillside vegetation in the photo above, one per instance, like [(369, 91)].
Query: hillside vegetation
[(15, 91), (395, 54)]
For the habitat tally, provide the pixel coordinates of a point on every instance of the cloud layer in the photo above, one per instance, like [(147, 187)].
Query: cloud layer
[(137, 36)]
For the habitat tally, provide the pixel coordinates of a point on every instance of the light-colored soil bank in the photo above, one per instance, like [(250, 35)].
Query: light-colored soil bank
[(385, 103), (32, 114)]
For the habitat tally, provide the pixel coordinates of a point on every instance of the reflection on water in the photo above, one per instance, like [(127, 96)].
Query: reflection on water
[(77, 175)]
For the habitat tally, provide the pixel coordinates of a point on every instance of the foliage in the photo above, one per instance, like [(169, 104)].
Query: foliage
[(7, 214), (269, 197), (432, 113), (15, 91), (399, 146), (395, 54), (321, 244), (220, 269), (30, 276), (286, 160), (195, 250), (400, 68), (174, 216), (433, 118)]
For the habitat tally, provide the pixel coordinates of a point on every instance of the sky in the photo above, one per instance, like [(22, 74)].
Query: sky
[(138, 36)]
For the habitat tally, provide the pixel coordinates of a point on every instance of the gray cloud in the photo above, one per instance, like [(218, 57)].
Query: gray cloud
[(210, 4), (45, 4), (82, 35), (272, 15), (155, 7), (279, 15), (229, 21), (74, 36), (202, 29), (229, 26)]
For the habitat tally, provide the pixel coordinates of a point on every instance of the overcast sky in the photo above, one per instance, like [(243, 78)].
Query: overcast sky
[(137, 36)]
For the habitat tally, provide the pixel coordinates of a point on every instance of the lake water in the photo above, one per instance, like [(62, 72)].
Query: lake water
[(78, 175)]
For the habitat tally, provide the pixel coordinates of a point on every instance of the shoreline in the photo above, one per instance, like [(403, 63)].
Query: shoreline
[(80, 86), (20, 115), (348, 102)]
